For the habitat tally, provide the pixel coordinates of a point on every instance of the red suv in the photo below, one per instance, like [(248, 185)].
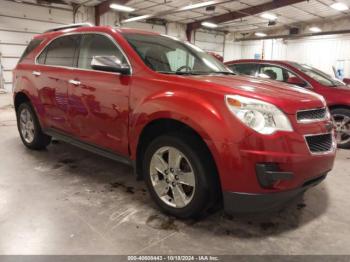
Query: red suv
[(196, 134), (336, 93)]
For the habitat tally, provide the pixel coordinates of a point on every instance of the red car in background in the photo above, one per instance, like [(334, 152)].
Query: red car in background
[(336, 93)]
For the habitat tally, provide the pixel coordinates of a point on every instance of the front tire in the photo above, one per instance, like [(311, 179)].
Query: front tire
[(29, 128), (180, 176), (341, 118)]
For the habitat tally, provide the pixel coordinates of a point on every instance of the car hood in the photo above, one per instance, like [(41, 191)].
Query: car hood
[(288, 98)]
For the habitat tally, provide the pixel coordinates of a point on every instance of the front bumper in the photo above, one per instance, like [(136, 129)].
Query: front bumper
[(236, 202)]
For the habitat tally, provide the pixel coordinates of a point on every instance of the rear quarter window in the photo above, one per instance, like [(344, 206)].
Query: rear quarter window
[(32, 45)]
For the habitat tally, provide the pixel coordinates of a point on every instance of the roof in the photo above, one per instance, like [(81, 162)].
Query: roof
[(259, 61), (69, 29)]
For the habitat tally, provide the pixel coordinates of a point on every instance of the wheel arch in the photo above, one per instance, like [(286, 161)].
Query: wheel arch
[(23, 96), (20, 98), (161, 126), (337, 106)]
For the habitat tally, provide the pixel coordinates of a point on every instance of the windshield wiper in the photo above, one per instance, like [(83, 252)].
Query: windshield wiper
[(179, 72), (224, 73)]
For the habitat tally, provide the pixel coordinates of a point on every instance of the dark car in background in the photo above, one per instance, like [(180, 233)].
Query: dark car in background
[(336, 93)]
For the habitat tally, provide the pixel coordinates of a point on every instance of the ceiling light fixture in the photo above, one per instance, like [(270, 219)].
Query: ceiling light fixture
[(315, 29), (121, 8), (198, 5), (209, 24), (269, 16), (339, 6), (260, 34), (136, 18)]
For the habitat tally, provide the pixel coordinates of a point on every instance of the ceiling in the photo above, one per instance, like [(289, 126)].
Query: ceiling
[(292, 14), (289, 15)]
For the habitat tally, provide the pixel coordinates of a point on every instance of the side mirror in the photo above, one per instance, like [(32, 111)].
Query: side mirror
[(293, 80), (346, 81), (110, 64)]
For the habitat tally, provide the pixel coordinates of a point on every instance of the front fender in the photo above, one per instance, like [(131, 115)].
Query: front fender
[(193, 110)]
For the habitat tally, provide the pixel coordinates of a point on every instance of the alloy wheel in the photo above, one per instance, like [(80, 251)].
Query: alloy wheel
[(172, 177), (342, 128), (27, 125)]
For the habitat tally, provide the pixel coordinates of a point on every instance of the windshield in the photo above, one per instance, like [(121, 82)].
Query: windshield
[(318, 75), (168, 55)]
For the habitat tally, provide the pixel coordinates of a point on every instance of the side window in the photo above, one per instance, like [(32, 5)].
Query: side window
[(42, 57), (60, 52), (244, 69), (97, 45), (280, 74), (32, 45), (272, 72)]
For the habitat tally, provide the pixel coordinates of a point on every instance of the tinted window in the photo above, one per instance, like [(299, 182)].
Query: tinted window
[(170, 56), (318, 75), (245, 69), (32, 45), (97, 45), (275, 73), (60, 52), (42, 57)]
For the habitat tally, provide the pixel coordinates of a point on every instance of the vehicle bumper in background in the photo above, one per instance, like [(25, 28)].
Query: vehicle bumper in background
[(237, 202)]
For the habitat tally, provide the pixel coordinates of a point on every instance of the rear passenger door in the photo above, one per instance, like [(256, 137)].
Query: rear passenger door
[(99, 100), (53, 72)]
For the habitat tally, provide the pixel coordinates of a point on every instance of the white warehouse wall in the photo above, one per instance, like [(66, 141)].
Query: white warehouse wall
[(232, 49), (18, 24), (209, 41), (322, 52)]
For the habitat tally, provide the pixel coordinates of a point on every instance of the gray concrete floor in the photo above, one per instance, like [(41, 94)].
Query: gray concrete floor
[(68, 201)]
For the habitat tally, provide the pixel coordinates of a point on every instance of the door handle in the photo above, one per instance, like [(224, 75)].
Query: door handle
[(74, 82), (36, 73)]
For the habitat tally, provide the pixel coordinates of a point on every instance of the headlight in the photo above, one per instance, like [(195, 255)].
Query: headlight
[(261, 116)]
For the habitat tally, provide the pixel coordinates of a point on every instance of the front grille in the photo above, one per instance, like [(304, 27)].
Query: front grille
[(311, 115), (319, 143)]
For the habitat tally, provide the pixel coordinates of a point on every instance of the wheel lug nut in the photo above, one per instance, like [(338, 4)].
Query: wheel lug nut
[(177, 177), (171, 170), (174, 184), (167, 180)]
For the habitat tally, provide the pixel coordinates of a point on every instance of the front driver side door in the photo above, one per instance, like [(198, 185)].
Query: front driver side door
[(99, 101)]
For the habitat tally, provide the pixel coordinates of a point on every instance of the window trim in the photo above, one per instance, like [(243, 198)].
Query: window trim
[(78, 50)]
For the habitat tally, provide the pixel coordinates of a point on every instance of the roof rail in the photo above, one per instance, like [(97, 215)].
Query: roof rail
[(68, 26)]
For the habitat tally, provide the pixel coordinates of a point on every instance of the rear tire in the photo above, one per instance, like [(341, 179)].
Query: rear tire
[(341, 118), (29, 128), (185, 185)]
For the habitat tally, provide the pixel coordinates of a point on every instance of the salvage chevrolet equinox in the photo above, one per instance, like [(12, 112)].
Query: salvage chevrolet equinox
[(197, 134)]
